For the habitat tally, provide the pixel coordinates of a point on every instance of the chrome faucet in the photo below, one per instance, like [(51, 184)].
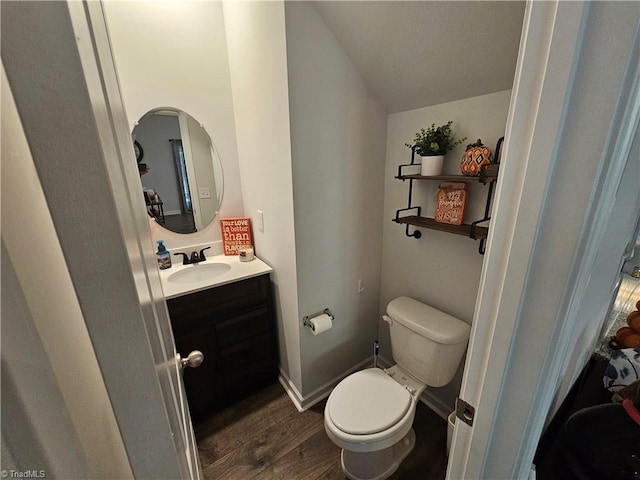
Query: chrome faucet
[(195, 257)]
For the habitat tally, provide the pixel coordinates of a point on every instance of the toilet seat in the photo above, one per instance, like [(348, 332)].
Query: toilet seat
[(368, 402), (370, 442)]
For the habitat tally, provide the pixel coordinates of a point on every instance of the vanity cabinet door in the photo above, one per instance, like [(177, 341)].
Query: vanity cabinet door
[(247, 352), (203, 384), (234, 327)]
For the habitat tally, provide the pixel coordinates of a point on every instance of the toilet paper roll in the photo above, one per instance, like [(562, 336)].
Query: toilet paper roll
[(320, 324)]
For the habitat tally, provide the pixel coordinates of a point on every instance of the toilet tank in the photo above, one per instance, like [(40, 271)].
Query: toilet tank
[(425, 342)]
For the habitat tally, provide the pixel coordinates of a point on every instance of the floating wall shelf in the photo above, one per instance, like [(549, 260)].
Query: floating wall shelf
[(488, 175)]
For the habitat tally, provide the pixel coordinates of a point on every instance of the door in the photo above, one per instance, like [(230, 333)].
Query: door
[(567, 190), (58, 63)]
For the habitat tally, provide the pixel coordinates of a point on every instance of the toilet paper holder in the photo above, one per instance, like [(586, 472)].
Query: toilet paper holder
[(306, 318)]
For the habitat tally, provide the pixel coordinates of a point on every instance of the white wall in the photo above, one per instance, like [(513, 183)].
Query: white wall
[(174, 54), (338, 131), (258, 66), (310, 142), (440, 269)]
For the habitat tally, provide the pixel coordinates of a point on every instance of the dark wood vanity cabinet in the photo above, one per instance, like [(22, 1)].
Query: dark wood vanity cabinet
[(234, 327)]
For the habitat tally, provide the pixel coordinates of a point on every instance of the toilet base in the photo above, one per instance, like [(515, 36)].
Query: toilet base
[(377, 465)]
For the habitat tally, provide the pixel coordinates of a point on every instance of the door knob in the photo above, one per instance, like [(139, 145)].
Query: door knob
[(193, 360)]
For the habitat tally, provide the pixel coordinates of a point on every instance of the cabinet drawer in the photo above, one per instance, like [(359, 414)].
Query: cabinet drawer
[(237, 329), (218, 303)]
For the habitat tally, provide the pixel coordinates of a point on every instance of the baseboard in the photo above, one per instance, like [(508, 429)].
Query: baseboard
[(438, 406), (303, 403), (291, 390)]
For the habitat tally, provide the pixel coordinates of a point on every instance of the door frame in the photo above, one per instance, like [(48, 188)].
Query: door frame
[(185, 133), (58, 62), (552, 42), (89, 22), (512, 233)]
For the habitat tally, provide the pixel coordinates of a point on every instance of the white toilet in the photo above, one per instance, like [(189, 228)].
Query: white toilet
[(369, 414)]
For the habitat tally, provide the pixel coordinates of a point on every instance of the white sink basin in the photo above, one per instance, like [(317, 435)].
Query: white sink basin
[(199, 273)]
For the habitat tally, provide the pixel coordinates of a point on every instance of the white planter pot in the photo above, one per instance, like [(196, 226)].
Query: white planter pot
[(432, 165)]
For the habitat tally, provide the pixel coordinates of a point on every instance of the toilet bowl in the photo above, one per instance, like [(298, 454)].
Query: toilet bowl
[(370, 413)]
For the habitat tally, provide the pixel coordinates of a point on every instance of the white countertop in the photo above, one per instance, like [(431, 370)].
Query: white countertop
[(238, 271)]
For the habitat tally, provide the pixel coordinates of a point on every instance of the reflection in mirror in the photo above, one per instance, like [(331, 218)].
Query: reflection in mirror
[(180, 170)]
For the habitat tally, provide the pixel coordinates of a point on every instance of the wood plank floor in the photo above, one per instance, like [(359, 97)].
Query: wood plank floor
[(265, 437)]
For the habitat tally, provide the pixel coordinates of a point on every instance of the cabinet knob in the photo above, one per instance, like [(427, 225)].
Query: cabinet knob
[(193, 360)]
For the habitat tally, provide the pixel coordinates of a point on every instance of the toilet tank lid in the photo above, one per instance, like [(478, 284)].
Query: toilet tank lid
[(428, 321)]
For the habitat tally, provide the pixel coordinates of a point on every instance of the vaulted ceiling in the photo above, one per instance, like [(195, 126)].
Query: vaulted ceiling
[(414, 54)]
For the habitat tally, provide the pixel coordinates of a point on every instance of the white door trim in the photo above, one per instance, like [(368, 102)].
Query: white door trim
[(58, 62), (106, 99), (617, 160), (50, 373), (552, 43), (512, 232)]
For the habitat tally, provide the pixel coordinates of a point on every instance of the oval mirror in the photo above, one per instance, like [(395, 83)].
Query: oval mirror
[(180, 170)]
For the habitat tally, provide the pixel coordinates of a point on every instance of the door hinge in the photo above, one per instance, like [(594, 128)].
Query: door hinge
[(465, 411)]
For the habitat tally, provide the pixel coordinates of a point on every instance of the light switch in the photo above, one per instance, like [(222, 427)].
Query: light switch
[(204, 193), (260, 220)]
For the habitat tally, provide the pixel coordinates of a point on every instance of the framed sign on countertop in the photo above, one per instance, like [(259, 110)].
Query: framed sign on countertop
[(236, 233)]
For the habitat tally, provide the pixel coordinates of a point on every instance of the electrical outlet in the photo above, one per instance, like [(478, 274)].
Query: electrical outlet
[(360, 287), (204, 193), (260, 221)]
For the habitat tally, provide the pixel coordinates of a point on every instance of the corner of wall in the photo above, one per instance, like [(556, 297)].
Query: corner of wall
[(258, 70)]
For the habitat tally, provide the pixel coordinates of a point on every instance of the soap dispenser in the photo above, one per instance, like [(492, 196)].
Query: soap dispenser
[(163, 256)]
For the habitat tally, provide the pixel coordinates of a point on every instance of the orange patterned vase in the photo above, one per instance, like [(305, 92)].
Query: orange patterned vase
[(475, 156)]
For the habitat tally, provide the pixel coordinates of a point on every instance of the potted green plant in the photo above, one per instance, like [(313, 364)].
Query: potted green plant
[(432, 145)]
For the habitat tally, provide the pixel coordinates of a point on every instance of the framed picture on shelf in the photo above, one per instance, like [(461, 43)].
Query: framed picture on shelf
[(451, 202)]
